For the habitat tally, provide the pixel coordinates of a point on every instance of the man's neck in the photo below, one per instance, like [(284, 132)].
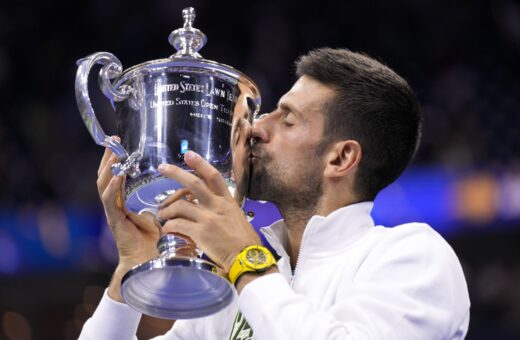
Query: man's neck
[(295, 221)]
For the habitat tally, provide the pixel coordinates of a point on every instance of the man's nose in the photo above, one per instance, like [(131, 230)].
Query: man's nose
[(259, 129)]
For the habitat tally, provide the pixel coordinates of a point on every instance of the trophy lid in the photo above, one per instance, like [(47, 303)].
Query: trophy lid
[(187, 41)]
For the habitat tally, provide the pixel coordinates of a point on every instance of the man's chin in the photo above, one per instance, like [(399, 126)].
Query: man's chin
[(254, 191)]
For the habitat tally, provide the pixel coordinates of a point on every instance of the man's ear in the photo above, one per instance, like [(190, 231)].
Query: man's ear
[(342, 159)]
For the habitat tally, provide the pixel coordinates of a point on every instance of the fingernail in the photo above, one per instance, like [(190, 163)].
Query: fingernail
[(160, 221), (162, 167), (190, 155)]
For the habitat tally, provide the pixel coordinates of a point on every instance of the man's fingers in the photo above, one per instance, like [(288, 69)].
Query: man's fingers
[(182, 226), (144, 221), (181, 209), (192, 183), (106, 175), (112, 191), (178, 194), (106, 156), (206, 171), (111, 197)]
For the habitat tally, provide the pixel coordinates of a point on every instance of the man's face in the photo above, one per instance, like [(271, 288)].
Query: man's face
[(287, 153), (240, 141)]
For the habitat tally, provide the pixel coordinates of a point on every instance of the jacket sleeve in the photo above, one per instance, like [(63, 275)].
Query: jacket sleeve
[(115, 320), (111, 320), (410, 286)]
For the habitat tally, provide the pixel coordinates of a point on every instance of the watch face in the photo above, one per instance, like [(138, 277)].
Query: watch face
[(255, 257)]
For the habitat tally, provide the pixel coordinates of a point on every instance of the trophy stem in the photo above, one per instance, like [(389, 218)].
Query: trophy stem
[(175, 244)]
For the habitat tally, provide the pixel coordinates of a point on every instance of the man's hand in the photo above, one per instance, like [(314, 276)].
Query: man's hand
[(135, 235), (216, 223)]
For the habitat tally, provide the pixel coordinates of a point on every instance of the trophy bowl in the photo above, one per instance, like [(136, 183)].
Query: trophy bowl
[(164, 108)]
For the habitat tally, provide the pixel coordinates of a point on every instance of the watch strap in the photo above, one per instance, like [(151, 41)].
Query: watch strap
[(241, 265)]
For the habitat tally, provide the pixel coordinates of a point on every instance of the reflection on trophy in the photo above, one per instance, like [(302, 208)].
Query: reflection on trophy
[(164, 108)]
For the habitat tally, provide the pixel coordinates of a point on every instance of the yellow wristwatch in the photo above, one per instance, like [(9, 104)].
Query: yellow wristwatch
[(255, 259)]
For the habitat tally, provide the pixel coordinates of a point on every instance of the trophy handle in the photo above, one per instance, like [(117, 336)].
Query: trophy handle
[(111, 69)]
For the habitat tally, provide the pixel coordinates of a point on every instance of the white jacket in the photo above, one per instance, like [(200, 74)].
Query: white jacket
[(352, 281)]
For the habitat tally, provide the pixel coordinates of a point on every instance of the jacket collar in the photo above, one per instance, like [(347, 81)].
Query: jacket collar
[(325, 236)]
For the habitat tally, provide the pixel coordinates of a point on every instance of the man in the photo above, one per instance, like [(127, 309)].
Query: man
[(347, 128)]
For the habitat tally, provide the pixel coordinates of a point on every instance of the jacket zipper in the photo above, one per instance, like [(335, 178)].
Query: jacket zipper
[(297, 266), (300, 255)]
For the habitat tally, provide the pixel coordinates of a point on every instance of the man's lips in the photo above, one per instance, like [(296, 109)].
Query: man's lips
[(252, 159), (255, 154)]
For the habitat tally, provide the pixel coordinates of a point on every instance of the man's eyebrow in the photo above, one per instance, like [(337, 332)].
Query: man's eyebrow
[(286, 107)]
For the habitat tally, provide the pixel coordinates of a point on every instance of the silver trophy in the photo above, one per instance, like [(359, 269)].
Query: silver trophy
[(164, 108)]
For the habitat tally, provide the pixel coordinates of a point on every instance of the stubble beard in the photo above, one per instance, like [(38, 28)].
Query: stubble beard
[(289, 187)]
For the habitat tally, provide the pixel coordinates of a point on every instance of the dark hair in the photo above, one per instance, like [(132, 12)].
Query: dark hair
[(372, 105)]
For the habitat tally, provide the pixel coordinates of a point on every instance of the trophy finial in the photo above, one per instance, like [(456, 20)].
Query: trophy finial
[(187, 40), (188, 15)]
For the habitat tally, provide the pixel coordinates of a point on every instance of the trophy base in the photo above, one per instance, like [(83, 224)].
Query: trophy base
[(176, 288)]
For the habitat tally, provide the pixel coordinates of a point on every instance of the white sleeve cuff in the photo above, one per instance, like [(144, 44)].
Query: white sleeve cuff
[(111, 320), (254, 299)]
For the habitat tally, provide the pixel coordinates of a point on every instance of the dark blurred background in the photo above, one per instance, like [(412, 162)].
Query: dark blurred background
[(461, 57)]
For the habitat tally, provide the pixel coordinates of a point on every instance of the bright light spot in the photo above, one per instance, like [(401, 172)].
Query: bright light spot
[(54, 230), (16, 326), (477, 198), (9, 255)]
